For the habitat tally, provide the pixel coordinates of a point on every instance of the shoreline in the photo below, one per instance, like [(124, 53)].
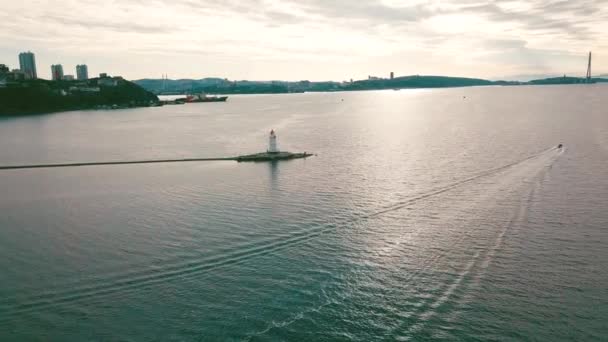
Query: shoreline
[(126, 107)]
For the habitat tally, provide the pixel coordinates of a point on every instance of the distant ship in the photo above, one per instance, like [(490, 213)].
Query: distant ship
[(205, 98)]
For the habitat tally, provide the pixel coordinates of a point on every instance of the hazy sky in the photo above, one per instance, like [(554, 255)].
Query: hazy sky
[(307, 39)]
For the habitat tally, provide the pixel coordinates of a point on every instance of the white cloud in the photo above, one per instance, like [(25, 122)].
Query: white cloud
[(307, 39)]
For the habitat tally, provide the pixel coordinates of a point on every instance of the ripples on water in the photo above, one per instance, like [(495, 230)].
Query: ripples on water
[(424, 216)]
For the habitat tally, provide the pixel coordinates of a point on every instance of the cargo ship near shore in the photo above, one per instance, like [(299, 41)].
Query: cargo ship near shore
[(204, 98), (194, 99)]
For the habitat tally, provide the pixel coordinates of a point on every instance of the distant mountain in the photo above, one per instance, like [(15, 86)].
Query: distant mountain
[(415, 82), (179, 86), (526, 77), (567, 80), (225, 86)]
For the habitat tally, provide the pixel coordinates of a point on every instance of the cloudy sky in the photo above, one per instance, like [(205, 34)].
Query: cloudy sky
[(307, 39)]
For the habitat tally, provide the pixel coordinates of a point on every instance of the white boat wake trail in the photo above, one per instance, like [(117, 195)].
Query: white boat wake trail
[(508, 175), (135, 280), (518, 189)]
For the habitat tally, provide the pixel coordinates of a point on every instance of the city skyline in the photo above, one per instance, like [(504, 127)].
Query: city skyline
[(316, 40), (28, 66)]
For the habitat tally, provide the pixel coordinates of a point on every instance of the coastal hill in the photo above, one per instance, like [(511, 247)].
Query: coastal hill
[(415, 82), (566, 80), (42, 96), (225, 86)]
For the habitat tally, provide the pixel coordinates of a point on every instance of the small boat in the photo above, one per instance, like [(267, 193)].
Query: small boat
[(205, 98)]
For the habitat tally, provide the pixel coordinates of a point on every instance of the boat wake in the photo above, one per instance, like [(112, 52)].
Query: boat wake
[(466, 283), (145, 278)]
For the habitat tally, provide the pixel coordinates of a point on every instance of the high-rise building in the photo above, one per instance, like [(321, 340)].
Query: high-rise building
[(57, 72), (3, 75), (27, 64), (82, 72), (392, 75)]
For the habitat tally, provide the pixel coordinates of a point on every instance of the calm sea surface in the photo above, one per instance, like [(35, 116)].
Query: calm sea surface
[(425, 215)]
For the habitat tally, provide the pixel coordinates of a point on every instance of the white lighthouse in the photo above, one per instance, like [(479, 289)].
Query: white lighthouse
[(272, 143)]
